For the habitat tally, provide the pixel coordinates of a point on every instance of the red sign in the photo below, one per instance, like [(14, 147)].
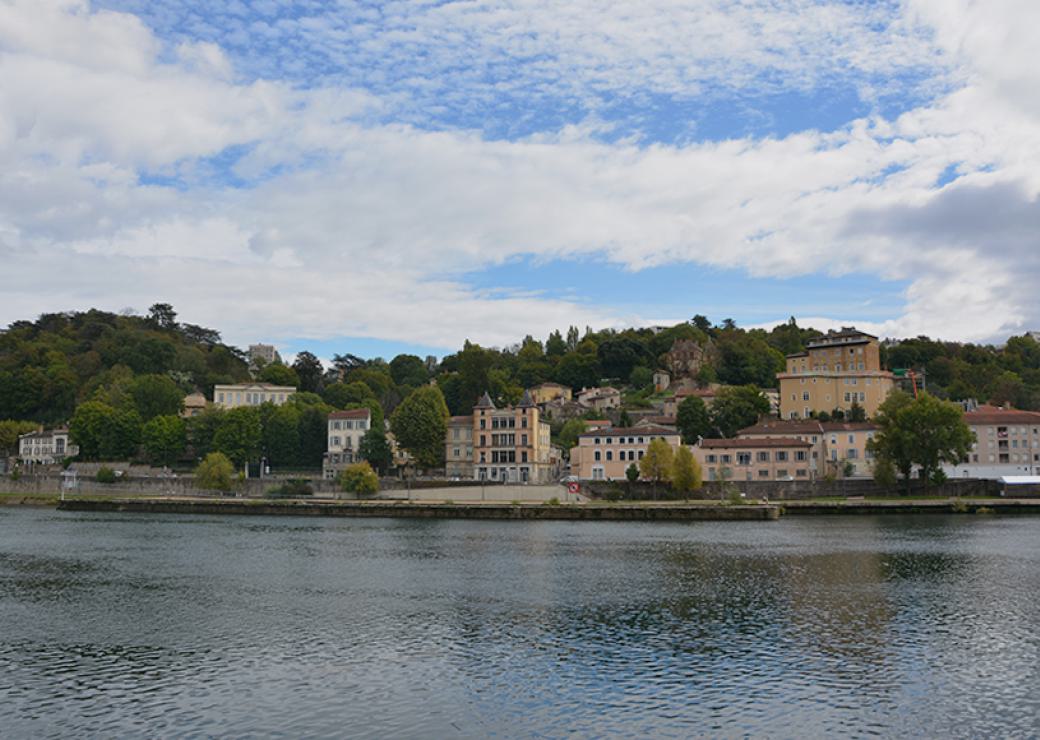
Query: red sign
[(573, 488)]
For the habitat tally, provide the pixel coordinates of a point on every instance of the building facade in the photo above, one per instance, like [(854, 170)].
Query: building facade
[(250, 394), (264, 354), (458, 448), (836, 371), (46, 447), (345, 430), (511, 444), (1007, 443), (605, 454), (600, 399), (772, 458), (194, 404), (547, 392), (837, 448)]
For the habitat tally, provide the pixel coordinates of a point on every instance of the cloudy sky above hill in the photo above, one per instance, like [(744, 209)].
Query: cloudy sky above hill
[(372, 176)]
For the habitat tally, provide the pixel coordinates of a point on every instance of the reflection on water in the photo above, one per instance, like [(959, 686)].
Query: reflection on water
[(159, 625)]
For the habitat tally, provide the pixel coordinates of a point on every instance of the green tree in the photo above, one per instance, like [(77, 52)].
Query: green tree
[(279, 374), (309, 371), (375, 449), (164, 439), (857, 413), (10, 431), (215, 473), (341, 395), (420, 425), (686, 472), (239, 435), (555, 346), (408, 370), (736, 407), (923, 432), (656, 465), (281, 436), (121, 436), (156, 395), (632, 473), (578, 370), (572, 429), (693, 420), (641, 377), (359, 479), (87, 426), (202, 428)]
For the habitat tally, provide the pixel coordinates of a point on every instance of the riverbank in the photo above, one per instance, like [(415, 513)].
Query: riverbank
[(426, 510)]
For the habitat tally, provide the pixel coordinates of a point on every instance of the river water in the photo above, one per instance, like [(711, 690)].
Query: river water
[(162, 625)]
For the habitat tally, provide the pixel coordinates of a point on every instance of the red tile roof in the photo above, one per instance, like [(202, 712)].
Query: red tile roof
[(351, 414), (985, 414), (716, 444), (778, 426), (630, 432)]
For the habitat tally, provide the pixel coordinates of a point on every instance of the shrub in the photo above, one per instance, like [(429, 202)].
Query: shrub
[(106, 475), (215, 472), (553, 501), (959, 507), (359, 479)]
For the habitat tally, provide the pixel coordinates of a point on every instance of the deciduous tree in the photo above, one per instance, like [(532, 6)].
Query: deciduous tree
[(656, 465), (164, 439), (420, 424), (693, 420), (686, 472)]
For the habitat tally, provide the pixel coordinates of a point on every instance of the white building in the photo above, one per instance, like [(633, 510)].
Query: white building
[(46, 447), (1007, 443), (251, 394), (345, 430)]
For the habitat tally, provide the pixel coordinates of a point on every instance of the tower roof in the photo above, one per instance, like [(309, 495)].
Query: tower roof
[(485, 402), (526, 402)]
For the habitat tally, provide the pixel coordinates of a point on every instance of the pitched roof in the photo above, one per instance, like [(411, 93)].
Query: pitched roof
[(986, 414), (780, 426), (526, 402), (717, 444), (351, 414), (848, 426), (485, 402), (629, 432)]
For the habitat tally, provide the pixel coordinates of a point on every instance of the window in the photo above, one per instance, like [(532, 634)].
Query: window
[(782, 474), (853, 453), (799, 455), (763, 457), (610, 455), (805, 396), (455, 452), (763, 473), (523, 440), (781, 455), (711, 458), (727, 459), (743, 458), (596, 456)]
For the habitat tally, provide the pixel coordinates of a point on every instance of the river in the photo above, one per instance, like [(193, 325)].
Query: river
[(139, 625)]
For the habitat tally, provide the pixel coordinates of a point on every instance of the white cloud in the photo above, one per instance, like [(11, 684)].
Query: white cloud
[(348, 227)]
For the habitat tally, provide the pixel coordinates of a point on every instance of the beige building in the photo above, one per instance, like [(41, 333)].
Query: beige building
[(833, 444), (46, 447), (772, 458), (836, 371), (345, 430), (250, 394), (600, 399), (458, 448), (193, 405), (264, 354), (547, 392), (1007, 442), (605, 454), (511, 444)]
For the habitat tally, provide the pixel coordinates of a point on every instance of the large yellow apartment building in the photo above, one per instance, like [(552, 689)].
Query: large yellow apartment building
[(836, 370)]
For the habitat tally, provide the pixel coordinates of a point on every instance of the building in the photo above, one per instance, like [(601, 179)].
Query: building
[(1007, 443), (600, 399), (193, 405), (263, 354), (836, 370), (837, 448), (458, 448), (251, 394), (511, 444), (670, 406), (46, 447), (771, 458), (605, 454), (661, 381), (345, 430), (548, 392)]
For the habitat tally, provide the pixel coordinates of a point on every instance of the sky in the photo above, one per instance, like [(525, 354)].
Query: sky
[(378, 177)]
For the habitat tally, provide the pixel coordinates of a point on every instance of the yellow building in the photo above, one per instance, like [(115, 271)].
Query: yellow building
[(605, 454), (836, 371), (511, 444), (546, 392), (458, 448)]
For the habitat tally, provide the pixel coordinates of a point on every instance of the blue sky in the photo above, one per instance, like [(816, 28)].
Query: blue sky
[(399, 176)]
